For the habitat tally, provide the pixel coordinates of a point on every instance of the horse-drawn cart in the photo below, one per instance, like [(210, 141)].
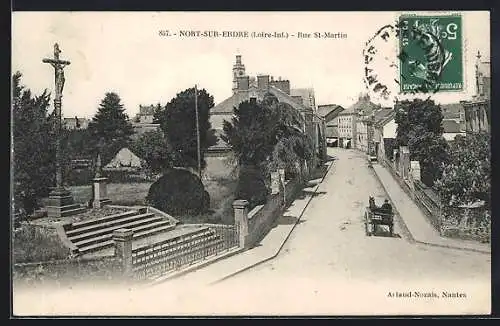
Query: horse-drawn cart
[(375, 216)]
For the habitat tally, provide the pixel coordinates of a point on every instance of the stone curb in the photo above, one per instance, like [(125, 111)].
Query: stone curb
[(284, 240), (419, 241)]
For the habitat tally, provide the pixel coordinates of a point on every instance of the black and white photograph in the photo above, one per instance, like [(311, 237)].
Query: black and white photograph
[(250, 163)]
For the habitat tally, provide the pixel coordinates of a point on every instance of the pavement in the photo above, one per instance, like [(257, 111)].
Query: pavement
[(416, 222), (267, 249)]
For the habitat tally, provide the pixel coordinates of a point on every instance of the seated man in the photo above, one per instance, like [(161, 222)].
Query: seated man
[(386, 206)]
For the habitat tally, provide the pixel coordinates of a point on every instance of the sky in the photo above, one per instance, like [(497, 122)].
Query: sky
[(123, 52)]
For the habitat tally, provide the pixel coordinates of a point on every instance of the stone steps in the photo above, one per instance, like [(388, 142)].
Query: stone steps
[(148, 230), (100, 220), (95, 234), (118, 220)]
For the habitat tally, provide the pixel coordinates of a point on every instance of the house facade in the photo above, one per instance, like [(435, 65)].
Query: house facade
[(75, 123), (144, 121), (355, 126), (330, 113), (478, 109), (384, 132)]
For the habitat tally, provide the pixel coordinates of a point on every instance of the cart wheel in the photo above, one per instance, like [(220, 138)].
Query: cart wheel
[(370, 229), (391, 229)]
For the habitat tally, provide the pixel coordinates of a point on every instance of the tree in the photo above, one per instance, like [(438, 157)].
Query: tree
[(33, 145), (110, 125), (420, 128), (158, 112), (468, 176), (251, 133), (293, 145), (264, 136), (153, 148), (178, 122)]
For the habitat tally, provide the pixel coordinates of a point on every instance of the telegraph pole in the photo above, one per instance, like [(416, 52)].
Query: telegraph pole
[(197, 129)]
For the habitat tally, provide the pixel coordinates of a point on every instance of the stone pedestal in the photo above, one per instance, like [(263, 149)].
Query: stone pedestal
[(240, 208), (122, 240), (61, 203), (100, 192)]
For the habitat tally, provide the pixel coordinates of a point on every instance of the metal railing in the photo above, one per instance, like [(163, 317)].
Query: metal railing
[(173, 254)]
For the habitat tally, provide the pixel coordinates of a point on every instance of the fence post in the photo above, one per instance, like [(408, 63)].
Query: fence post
[(240, 207), (122, 239)]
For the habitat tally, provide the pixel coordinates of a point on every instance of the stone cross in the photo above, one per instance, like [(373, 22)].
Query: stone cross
[(58, 65)]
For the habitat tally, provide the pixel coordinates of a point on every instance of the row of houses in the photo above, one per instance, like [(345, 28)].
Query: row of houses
[(369, 127), (143, 121)]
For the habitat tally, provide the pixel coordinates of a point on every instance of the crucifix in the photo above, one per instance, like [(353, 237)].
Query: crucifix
[(58, 65)]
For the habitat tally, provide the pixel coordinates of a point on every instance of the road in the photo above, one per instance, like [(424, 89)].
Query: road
[(328, 265)]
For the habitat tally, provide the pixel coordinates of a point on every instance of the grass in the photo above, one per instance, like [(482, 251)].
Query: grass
[(221, 198), (34, 243), (118, 193)]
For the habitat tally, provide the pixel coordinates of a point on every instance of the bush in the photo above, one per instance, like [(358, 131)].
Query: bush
[(179, 192), (251, 186)]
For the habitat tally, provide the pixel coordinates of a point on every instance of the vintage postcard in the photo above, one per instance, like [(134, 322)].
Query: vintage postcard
[(251, 163)]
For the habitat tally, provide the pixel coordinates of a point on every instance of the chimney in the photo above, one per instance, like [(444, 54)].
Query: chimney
[(243, 83), (282, 84), (263, 81)]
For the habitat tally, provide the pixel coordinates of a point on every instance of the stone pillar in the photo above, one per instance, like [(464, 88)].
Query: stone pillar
[(122, 239), (275, 182), (415, 170), (240, 207), (281, 173), (100, 193)]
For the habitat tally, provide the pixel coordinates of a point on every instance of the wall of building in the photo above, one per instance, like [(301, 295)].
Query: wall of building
[(389, 130), (217, 120)]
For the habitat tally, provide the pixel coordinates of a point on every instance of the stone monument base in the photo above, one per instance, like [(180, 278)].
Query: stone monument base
[(60, 203), (99, 193)]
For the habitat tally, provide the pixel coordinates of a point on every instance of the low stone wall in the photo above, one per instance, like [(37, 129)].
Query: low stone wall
[(429, 203), (254, 225), (67, 271), (416, 192), (262, 218)]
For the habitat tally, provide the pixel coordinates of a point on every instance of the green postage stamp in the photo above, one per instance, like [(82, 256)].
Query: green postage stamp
[(431, 53)]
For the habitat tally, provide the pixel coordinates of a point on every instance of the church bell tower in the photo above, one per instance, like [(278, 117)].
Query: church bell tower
[(238, 71)]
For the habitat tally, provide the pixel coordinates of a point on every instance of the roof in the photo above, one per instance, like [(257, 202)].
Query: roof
[(331, 132), (329, 109), (227, 106), (363, 105), (307, 94), (452, 110), (124, 158), (383, 116), (451, 126)]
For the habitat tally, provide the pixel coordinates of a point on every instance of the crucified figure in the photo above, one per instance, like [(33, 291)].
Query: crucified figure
[(59, 70)]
